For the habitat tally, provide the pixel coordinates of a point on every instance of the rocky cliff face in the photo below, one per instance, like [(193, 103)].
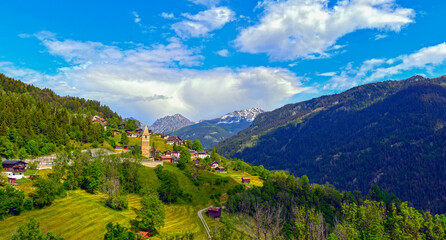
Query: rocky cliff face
[(169, 124)]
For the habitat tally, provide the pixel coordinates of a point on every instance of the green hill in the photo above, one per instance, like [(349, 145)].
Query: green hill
[(38, 122), (389, 133)]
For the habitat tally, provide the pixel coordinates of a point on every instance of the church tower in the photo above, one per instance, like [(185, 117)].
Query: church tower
[(145, 143)]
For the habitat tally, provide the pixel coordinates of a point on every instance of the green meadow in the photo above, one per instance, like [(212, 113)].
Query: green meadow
[(81, 215)]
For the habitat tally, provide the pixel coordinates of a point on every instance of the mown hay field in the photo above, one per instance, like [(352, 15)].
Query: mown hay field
[(255, 180), (84, 216)]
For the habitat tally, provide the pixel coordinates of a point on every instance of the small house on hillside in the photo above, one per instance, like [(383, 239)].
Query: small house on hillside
[(220, 169), (202, 154), (174, 140), (246, 179), (214, 212), (14, 169), (166, 159), (130, 134), (122, 125), (213, 165), (116, 132), (143, 235), (138, 130)]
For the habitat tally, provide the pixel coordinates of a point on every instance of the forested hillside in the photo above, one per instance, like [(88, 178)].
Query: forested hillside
[(390, 133), (36, 121)]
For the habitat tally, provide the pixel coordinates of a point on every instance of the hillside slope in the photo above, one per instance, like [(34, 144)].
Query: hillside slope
[(389, 133), (38, 122)]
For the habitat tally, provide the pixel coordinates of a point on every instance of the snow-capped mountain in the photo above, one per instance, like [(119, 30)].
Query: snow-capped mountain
[(235, 117), (210, 132)]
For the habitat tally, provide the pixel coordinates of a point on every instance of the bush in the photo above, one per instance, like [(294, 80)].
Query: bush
[(28, 205)]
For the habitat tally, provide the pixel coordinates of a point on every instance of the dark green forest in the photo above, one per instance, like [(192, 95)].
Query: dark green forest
[(37, 122), (389, 133)]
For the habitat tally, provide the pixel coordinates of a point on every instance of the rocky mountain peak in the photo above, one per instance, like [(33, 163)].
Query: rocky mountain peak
[(169, 124)]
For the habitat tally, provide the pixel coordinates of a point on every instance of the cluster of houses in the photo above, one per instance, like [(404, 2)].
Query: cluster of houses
[(137, 133), (174, 156)]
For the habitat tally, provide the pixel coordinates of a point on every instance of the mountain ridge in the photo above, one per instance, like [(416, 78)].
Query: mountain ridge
[(210, 132), (340, 139), (171, 123)]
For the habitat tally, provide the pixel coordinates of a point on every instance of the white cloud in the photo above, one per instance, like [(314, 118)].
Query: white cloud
[(327, 74), (379, 69), (150, 82), (137, 18), (208, 3), (292, 29), (223, 52), (167, 15), (202, 23), (380, 36)]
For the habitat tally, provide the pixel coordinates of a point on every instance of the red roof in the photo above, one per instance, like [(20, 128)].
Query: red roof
[(144, 235), (246, 178), (213, 209)]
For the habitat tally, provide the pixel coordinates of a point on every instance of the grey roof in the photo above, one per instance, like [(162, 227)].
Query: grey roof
[(13, 162)]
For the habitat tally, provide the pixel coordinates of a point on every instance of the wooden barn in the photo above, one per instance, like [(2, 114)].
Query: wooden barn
[(214, 212)]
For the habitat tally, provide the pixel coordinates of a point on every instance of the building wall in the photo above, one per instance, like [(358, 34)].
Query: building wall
[(16, 175)]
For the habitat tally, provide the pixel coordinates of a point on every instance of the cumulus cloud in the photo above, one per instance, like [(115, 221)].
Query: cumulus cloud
[(202, 23), (379, 69), (148, 82), (223, 52), (292, 29), (167, 15)]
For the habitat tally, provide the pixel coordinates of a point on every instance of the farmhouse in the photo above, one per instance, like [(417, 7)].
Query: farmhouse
[(174, 140), (220, 169), (116, 132), (14, 169), (202, 154), (214, 212), (166, 159), (246, 179), (213, 165)]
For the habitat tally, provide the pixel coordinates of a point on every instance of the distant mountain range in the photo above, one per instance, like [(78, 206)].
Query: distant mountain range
[(389, 133), (210, 132), (169, 124)]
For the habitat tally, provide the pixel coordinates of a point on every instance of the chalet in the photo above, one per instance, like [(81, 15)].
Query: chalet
[(214, 212), (143, 235), (118, 148), (97, 118), (193, 153), (176, 154), (246, 179), (14, 169), (130, 134), (203, 154), (213, 165), (138, 130), (122, 125), (174, 140), (166, 159), (116, 132), (167, 153), (129, 147), (220, 169)]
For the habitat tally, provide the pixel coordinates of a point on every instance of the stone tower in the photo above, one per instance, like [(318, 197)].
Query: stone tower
[(145, 143)]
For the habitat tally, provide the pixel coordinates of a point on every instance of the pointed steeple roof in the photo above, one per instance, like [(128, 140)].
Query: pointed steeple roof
[(146, 131)]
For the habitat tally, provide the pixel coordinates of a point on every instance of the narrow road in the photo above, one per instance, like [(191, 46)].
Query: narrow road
[(204, 222)]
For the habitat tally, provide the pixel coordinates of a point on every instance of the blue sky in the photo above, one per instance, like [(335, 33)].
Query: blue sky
[(204, 58)]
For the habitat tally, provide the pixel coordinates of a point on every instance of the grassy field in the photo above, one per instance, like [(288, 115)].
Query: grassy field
[(255, 180), (83, 216)]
